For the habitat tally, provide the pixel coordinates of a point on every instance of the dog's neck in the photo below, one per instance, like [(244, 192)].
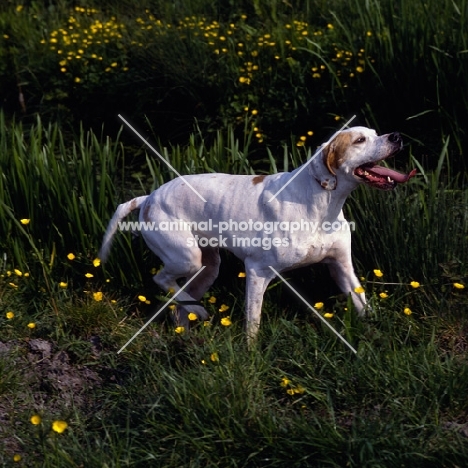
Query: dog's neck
[(317, 197)]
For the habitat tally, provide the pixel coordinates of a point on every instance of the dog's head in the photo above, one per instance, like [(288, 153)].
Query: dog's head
[(355, 154)]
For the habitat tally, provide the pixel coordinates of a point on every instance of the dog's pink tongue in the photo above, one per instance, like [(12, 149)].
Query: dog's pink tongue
[(396, 176)]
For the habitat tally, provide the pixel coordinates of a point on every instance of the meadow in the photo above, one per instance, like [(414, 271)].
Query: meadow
[(250, 87)]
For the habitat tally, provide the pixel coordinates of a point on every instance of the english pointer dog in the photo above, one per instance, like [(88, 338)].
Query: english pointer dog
[(243, 204)]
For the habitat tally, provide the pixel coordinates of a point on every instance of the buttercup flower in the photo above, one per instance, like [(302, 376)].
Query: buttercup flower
[(192, 316), (31, 325), (142, 298), (378, 273), (359, 289), (97, 296), (214, 357), (89, 275), (407, 311), (383, 295), (71, 256), (223, 308), (241, 274), (96, 262), (212, 300), (458, 286), (318, 305), (226, 321), (328, 315), (35, 419), (414, 284), (25, 221), (59, 426), (63, 285), (179, 330), (10, 315)]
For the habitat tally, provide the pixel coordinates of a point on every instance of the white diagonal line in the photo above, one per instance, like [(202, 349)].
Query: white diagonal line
[(310, 160), (160, 310), (160, 156), (314, 310)]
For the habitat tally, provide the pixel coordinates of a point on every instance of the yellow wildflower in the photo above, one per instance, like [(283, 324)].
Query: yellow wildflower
[(359, 289), (96, 262), (179, 330), (328, 315), (59, 426), (383, 295), (25, 221), (16, 457), (378, 273), (414, 284), (63, 285), (318, 305), (18, 272), (241, 274), (35, 419), (31, 325), (192, 316), (407, 311), (212, 300), (226, 321), (71, 256), (214, 357), (97, 296), (89, 275), (10, 315), (285, 382), (223, 308), (142, 298), (458, 286)]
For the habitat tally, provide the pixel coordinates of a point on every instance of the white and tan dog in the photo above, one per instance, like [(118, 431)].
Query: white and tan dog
[(239, 208)]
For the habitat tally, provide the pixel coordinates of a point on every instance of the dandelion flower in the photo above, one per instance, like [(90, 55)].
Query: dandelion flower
[(35, 419), (241, 274), (383, 295), (328, 315), (10, 315), (31, 325), (71, 256), (192, 316), (414, 284), (223, 308), (378, 273), (318, 305), (407, 311), (226, 321), (25, 221), (59, 426), (458, 286), (96, 262), (359, 289), (179, 330), (285, 382), (97, 296)]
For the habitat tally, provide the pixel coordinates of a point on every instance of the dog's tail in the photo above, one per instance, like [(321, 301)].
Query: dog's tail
[(122, 210)]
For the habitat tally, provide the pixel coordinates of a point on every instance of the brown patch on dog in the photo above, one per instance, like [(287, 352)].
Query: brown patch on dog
[(257, 179), (145, 214), (334, 153)]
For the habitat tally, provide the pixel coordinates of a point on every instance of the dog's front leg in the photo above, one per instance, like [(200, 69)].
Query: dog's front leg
[(257, 282), (346, 279)]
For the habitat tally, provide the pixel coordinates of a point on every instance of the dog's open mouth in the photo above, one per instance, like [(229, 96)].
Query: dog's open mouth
[(381, 177)]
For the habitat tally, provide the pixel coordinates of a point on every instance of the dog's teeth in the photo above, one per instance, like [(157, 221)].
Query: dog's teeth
[(366, 173), (389, 180)]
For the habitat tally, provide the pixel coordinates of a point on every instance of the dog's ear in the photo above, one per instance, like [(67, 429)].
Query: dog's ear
[(321, 168)]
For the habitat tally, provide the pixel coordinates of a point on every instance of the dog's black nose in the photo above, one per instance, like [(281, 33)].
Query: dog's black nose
[(395, 137)]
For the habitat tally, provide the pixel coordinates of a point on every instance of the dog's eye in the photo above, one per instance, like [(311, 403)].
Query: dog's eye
[(360, 140)]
